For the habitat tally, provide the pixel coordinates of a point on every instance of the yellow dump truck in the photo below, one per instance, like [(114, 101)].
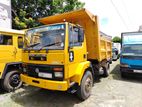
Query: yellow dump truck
[(66, 53), (11, 44)]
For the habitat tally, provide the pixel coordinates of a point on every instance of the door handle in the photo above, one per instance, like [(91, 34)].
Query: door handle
[(14, 51), (84, 56), (71, 56)]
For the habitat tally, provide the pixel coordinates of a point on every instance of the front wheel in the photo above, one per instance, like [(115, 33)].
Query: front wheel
[(12, 81), (85, 87)]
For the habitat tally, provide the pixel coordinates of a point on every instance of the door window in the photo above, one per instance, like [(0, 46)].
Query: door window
[(6, 40), (74, 38), (20, 42)]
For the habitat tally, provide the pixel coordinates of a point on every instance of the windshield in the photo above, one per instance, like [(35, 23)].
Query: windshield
[(132, 38), (46, 37), (132, 49)]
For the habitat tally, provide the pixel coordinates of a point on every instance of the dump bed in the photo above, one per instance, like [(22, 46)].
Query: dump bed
[(98, 43)]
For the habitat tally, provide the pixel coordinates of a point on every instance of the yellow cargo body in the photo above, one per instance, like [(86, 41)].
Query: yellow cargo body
[(98, 44)]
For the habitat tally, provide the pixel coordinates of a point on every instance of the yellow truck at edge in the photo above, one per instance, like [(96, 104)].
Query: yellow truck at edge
[(11, 44), (66, 53)]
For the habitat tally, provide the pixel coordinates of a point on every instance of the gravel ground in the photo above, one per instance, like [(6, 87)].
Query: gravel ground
[(107, 92)]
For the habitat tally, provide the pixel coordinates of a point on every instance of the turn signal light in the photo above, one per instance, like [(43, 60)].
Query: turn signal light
[(58, 69), (24, 65)]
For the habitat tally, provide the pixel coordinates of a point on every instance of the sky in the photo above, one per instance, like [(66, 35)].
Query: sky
[(116, 16)]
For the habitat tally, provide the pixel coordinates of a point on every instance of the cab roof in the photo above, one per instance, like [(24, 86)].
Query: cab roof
[(76, 17), (7, 30)]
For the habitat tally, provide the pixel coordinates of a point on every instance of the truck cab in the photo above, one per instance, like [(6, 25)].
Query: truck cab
[(11, 44), (131, 55), (65, 53)]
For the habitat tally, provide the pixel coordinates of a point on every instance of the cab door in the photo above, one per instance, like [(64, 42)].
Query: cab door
[(18, 40), (6, 48), (77, 48)]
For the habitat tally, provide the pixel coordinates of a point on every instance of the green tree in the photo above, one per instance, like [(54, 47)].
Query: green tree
[(116, 39), (25, 13)]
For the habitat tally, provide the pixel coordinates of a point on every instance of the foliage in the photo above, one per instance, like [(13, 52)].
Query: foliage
[(116, 39), (25, 13)]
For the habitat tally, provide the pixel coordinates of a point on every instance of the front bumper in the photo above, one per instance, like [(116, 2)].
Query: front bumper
[(130, 71), (46, 84)]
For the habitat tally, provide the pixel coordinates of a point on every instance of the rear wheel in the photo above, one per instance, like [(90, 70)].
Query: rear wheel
[(12, 81), (105, 70), (115, 57), (85, 87), (123, 74)]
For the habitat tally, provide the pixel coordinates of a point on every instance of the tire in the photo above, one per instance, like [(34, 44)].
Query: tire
[(115, 57), (84, 90), (110, 62), (12, 81), (123, 75), (106, 70)]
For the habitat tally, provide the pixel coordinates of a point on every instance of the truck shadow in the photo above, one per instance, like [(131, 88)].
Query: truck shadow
[(116, 75), (35, 97), (2, 91)]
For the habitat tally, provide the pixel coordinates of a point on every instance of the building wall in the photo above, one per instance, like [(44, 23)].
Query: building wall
[(5, 13)]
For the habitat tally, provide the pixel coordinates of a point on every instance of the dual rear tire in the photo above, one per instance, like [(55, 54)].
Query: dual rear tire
[(105, 70)]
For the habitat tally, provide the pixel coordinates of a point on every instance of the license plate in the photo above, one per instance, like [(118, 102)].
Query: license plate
[(138, 71), (45, 75)]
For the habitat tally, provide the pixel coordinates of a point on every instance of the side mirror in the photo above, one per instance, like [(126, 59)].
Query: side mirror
[(80, 35), (1, 39)]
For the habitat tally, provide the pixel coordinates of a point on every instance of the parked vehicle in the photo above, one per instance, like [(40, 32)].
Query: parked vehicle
[(118, 46), (66, 56), (131, 55), (11, 44), (115, 54)]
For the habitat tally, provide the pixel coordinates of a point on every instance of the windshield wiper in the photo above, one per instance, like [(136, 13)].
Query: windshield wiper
[(33, 45), (49, 45)]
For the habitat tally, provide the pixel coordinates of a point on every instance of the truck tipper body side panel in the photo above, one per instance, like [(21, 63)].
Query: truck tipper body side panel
[(98, 46)]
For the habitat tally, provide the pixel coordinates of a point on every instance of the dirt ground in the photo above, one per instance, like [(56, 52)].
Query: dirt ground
[(112, 91)]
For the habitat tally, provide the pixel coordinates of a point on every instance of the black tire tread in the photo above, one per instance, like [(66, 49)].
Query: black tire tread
[(79, 91), (6, 86)]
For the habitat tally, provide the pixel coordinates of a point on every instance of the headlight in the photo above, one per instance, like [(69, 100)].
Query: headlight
[(24, 65), (123, 65), (58, 74), (24, 70)]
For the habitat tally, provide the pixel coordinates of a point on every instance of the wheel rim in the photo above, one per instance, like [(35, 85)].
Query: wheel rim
[(14, 80), (101, 70), (108, 68), (88, 85)]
